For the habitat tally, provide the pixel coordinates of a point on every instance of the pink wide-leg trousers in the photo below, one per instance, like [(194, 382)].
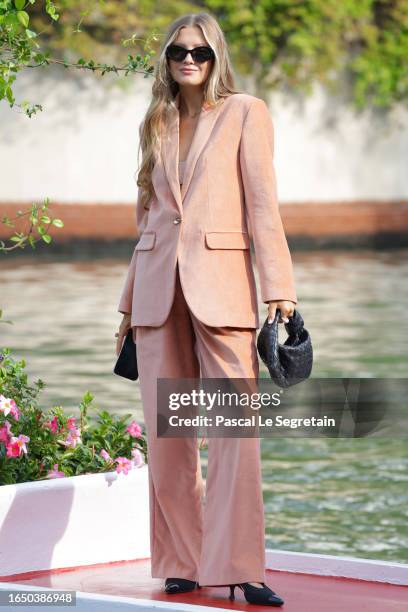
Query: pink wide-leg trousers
[(213, 534)]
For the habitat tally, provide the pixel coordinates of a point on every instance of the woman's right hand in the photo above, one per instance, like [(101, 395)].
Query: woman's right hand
[(121, 333)]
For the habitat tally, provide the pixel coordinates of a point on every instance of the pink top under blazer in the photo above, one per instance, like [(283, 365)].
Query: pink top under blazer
[(228, 196)]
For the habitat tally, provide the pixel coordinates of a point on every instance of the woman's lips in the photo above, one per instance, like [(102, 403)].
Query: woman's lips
[(188, 71)]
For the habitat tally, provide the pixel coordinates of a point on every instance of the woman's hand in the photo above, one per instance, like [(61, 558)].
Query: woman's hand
[(121, 333), (286, 307)]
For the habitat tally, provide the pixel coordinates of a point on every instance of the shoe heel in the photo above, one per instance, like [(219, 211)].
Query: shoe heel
[(232, 592)]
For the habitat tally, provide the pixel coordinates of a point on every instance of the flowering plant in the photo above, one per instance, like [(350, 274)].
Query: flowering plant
[(38, 445)]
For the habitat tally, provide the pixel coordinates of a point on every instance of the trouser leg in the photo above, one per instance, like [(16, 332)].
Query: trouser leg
[(233, 545), (175, 482)]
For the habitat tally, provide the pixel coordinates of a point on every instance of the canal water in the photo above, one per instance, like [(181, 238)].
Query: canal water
[(346, 496)]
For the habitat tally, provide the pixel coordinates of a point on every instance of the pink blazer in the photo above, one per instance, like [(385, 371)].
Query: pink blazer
[(228, 197)]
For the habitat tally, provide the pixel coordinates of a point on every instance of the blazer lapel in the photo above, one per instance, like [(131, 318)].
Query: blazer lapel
[(170, 147)]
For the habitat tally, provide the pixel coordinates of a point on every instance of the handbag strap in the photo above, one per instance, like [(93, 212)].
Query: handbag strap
[(295, 325)]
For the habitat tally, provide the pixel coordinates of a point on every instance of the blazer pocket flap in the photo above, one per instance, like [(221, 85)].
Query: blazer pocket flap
[(146, 241), (227, 240)]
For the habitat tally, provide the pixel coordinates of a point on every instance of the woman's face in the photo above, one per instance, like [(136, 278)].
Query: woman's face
[(187, 72)]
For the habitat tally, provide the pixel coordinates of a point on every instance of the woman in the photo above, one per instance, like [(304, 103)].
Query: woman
[(206, 186)]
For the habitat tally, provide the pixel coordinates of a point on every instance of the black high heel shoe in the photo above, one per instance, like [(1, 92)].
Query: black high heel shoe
[(257, 595), (180, 585)]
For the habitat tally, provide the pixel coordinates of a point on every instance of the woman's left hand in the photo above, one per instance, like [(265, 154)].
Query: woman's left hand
[(286, 307)]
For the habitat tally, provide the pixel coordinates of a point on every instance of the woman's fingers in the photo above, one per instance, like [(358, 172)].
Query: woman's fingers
[(119, 342), (120, 335), (271, 311), (286, 310)]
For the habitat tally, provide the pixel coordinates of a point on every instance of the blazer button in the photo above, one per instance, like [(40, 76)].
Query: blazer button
[(177, 220)]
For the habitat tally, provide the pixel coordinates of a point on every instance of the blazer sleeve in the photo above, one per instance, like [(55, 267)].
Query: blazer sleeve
[(126, 298), (272, 253)]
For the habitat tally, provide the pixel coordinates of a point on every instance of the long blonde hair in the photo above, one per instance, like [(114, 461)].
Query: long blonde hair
[(219, 84)]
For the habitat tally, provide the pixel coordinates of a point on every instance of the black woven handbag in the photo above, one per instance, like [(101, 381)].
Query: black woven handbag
[(291, 362), (126, 364)]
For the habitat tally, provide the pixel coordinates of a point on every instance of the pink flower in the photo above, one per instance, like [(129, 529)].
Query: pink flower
[(105, 455), (5, 432), (71, 424), (52, 425), (13, 450), (55, 473), (9, 406), (137, 457), (16, 445), (15, 412), (73, 438), (135, 430), (124, 465)]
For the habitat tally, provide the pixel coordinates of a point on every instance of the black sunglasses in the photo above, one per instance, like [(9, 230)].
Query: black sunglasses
[(199, 54)]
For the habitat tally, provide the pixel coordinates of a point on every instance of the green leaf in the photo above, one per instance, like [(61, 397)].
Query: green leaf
[(57, 223), (9, 95), (47, 238), (19, 4), (23, 18)]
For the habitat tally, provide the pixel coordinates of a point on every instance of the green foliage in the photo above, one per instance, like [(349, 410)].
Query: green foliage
[(17, 45), (292, 44), (47, 447), (39, 223), (20, 45)]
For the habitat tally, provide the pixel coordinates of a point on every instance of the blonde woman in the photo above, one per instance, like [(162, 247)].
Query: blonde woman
[(206, 186)]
